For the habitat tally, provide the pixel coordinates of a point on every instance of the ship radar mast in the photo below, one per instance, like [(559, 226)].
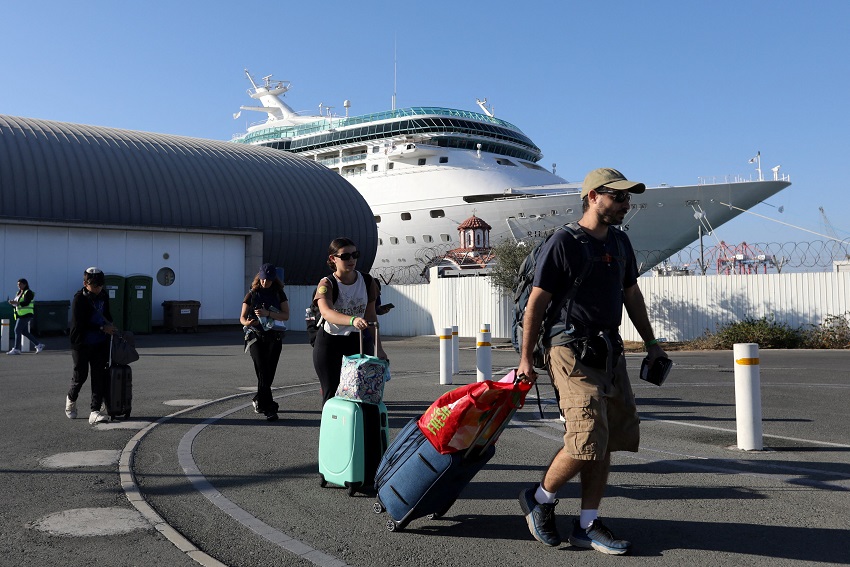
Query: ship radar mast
[(269, 93), (483, 105)]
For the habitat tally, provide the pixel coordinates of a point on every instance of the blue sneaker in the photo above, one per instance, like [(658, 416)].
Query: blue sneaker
[(540, 518), (598, 537)]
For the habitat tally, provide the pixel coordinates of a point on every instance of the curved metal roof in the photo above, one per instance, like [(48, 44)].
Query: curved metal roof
[(56, 171)]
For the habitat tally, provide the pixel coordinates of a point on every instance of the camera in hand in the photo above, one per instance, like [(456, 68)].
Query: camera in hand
[(657, 372)]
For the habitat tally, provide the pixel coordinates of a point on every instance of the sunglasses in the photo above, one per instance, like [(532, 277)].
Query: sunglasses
[(618, 196), (345, 257)]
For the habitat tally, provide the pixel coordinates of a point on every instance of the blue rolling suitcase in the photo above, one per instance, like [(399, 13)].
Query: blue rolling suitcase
[(415, 481), (353, 437)]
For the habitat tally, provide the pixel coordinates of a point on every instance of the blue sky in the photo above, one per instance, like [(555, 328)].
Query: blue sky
[(665, 91)]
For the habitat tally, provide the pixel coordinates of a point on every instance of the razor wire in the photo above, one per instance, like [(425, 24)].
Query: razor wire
[(719, 259), (746, 258)]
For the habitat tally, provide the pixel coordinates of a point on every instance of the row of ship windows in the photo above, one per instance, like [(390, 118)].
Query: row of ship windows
[(422, 161), (435, 214), (427, 238)]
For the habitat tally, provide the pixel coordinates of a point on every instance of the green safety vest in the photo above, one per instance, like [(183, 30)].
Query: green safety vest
[(22, 311)]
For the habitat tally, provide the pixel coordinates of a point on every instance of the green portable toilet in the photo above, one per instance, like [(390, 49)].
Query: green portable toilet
[(114, 287), (138, 301)]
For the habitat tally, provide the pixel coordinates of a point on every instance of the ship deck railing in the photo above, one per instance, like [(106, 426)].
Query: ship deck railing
[(325, 124)]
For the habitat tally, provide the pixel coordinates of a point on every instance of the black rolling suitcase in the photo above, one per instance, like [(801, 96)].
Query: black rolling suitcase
[(119, 394)]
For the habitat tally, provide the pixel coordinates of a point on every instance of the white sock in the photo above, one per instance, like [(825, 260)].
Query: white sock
[(586, 518), (544, 496)]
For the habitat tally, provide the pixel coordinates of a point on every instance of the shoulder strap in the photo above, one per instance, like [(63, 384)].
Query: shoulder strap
[(576, 232), (367, 281)]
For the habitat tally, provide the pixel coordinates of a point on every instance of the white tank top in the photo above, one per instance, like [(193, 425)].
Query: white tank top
[(352, 300)]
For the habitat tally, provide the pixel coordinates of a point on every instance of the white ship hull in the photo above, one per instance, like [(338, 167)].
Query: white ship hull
[(425, 170)]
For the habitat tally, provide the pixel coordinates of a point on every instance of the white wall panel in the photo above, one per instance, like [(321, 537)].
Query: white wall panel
[(680, 308), (212, 269)]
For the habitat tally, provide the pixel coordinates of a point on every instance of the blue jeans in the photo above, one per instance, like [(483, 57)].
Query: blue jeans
[(22, 329)]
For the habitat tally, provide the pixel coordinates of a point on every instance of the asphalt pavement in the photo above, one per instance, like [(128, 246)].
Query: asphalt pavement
[(195, 476)]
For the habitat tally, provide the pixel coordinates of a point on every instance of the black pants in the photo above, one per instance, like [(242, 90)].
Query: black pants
[(327, 358), (265, 352), (96, 357)]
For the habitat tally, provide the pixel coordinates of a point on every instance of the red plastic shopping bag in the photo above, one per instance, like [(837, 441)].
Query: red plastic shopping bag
[(471, 413)]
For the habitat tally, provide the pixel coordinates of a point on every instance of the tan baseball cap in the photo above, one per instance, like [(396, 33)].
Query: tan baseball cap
[(610, 179)]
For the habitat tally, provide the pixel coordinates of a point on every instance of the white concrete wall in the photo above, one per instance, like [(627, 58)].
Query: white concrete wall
[(680, 308), (209, 268)]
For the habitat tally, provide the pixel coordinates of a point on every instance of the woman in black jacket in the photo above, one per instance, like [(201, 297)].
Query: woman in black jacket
[(91, 325)]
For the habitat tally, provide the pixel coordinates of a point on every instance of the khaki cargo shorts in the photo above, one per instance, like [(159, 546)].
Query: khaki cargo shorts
[(600, 412)]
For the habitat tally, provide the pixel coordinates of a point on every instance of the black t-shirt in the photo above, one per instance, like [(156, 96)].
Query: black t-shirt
[(598, 304), (264, 298)]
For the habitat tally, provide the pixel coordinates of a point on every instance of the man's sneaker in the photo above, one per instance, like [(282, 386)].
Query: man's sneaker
[(70, 408), (256, 407), (39, 347), (14, 351), (98, 417), (271, 417), (540, 518), (600, 538)]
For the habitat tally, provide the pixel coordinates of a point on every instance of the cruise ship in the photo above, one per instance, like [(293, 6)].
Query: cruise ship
[(424, 170)]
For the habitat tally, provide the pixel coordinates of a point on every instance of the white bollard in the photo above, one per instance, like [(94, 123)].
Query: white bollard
[(484, 355), (446, 356), (455, 351), (748, 396), (4, 335), (25, 344)]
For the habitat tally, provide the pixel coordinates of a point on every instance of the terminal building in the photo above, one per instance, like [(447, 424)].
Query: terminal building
[(195, 218)]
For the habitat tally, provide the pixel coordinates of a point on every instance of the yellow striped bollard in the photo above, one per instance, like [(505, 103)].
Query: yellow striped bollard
[(446, 356), (484, 354), (748, 396)]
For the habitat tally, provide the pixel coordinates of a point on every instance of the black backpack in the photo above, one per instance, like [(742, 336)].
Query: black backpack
[(313, 316), (551, 326)]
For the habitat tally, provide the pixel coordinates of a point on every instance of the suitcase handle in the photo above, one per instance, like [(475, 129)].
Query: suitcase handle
[(370, 324)]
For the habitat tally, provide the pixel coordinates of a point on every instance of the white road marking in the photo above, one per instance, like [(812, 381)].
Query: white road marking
[(131, 490)]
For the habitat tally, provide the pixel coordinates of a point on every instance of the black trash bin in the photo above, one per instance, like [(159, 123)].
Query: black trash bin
[(180, 315), (51, 316)]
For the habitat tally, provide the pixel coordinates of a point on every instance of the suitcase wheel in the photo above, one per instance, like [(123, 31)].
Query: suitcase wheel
[(127, 414), (434, 516), (392, 526), (378, 508), (323, 482)]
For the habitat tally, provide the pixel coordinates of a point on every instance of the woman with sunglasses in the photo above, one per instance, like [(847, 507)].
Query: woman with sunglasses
[(344, 315)]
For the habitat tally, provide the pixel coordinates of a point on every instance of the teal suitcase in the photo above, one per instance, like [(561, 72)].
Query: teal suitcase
[(353, 438)]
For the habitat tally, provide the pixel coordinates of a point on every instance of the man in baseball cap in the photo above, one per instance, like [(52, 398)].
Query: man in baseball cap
[(590, 270), (607, 178)]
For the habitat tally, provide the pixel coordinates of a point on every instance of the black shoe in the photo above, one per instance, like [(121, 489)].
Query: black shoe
[(272, 417), (600, 538), (540, 518)]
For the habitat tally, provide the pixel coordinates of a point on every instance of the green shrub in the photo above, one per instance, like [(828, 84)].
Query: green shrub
[(504, 273), (767, 333), (834, 332)]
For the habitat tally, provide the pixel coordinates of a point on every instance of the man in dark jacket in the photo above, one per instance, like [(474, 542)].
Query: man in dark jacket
[(91, 325)]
